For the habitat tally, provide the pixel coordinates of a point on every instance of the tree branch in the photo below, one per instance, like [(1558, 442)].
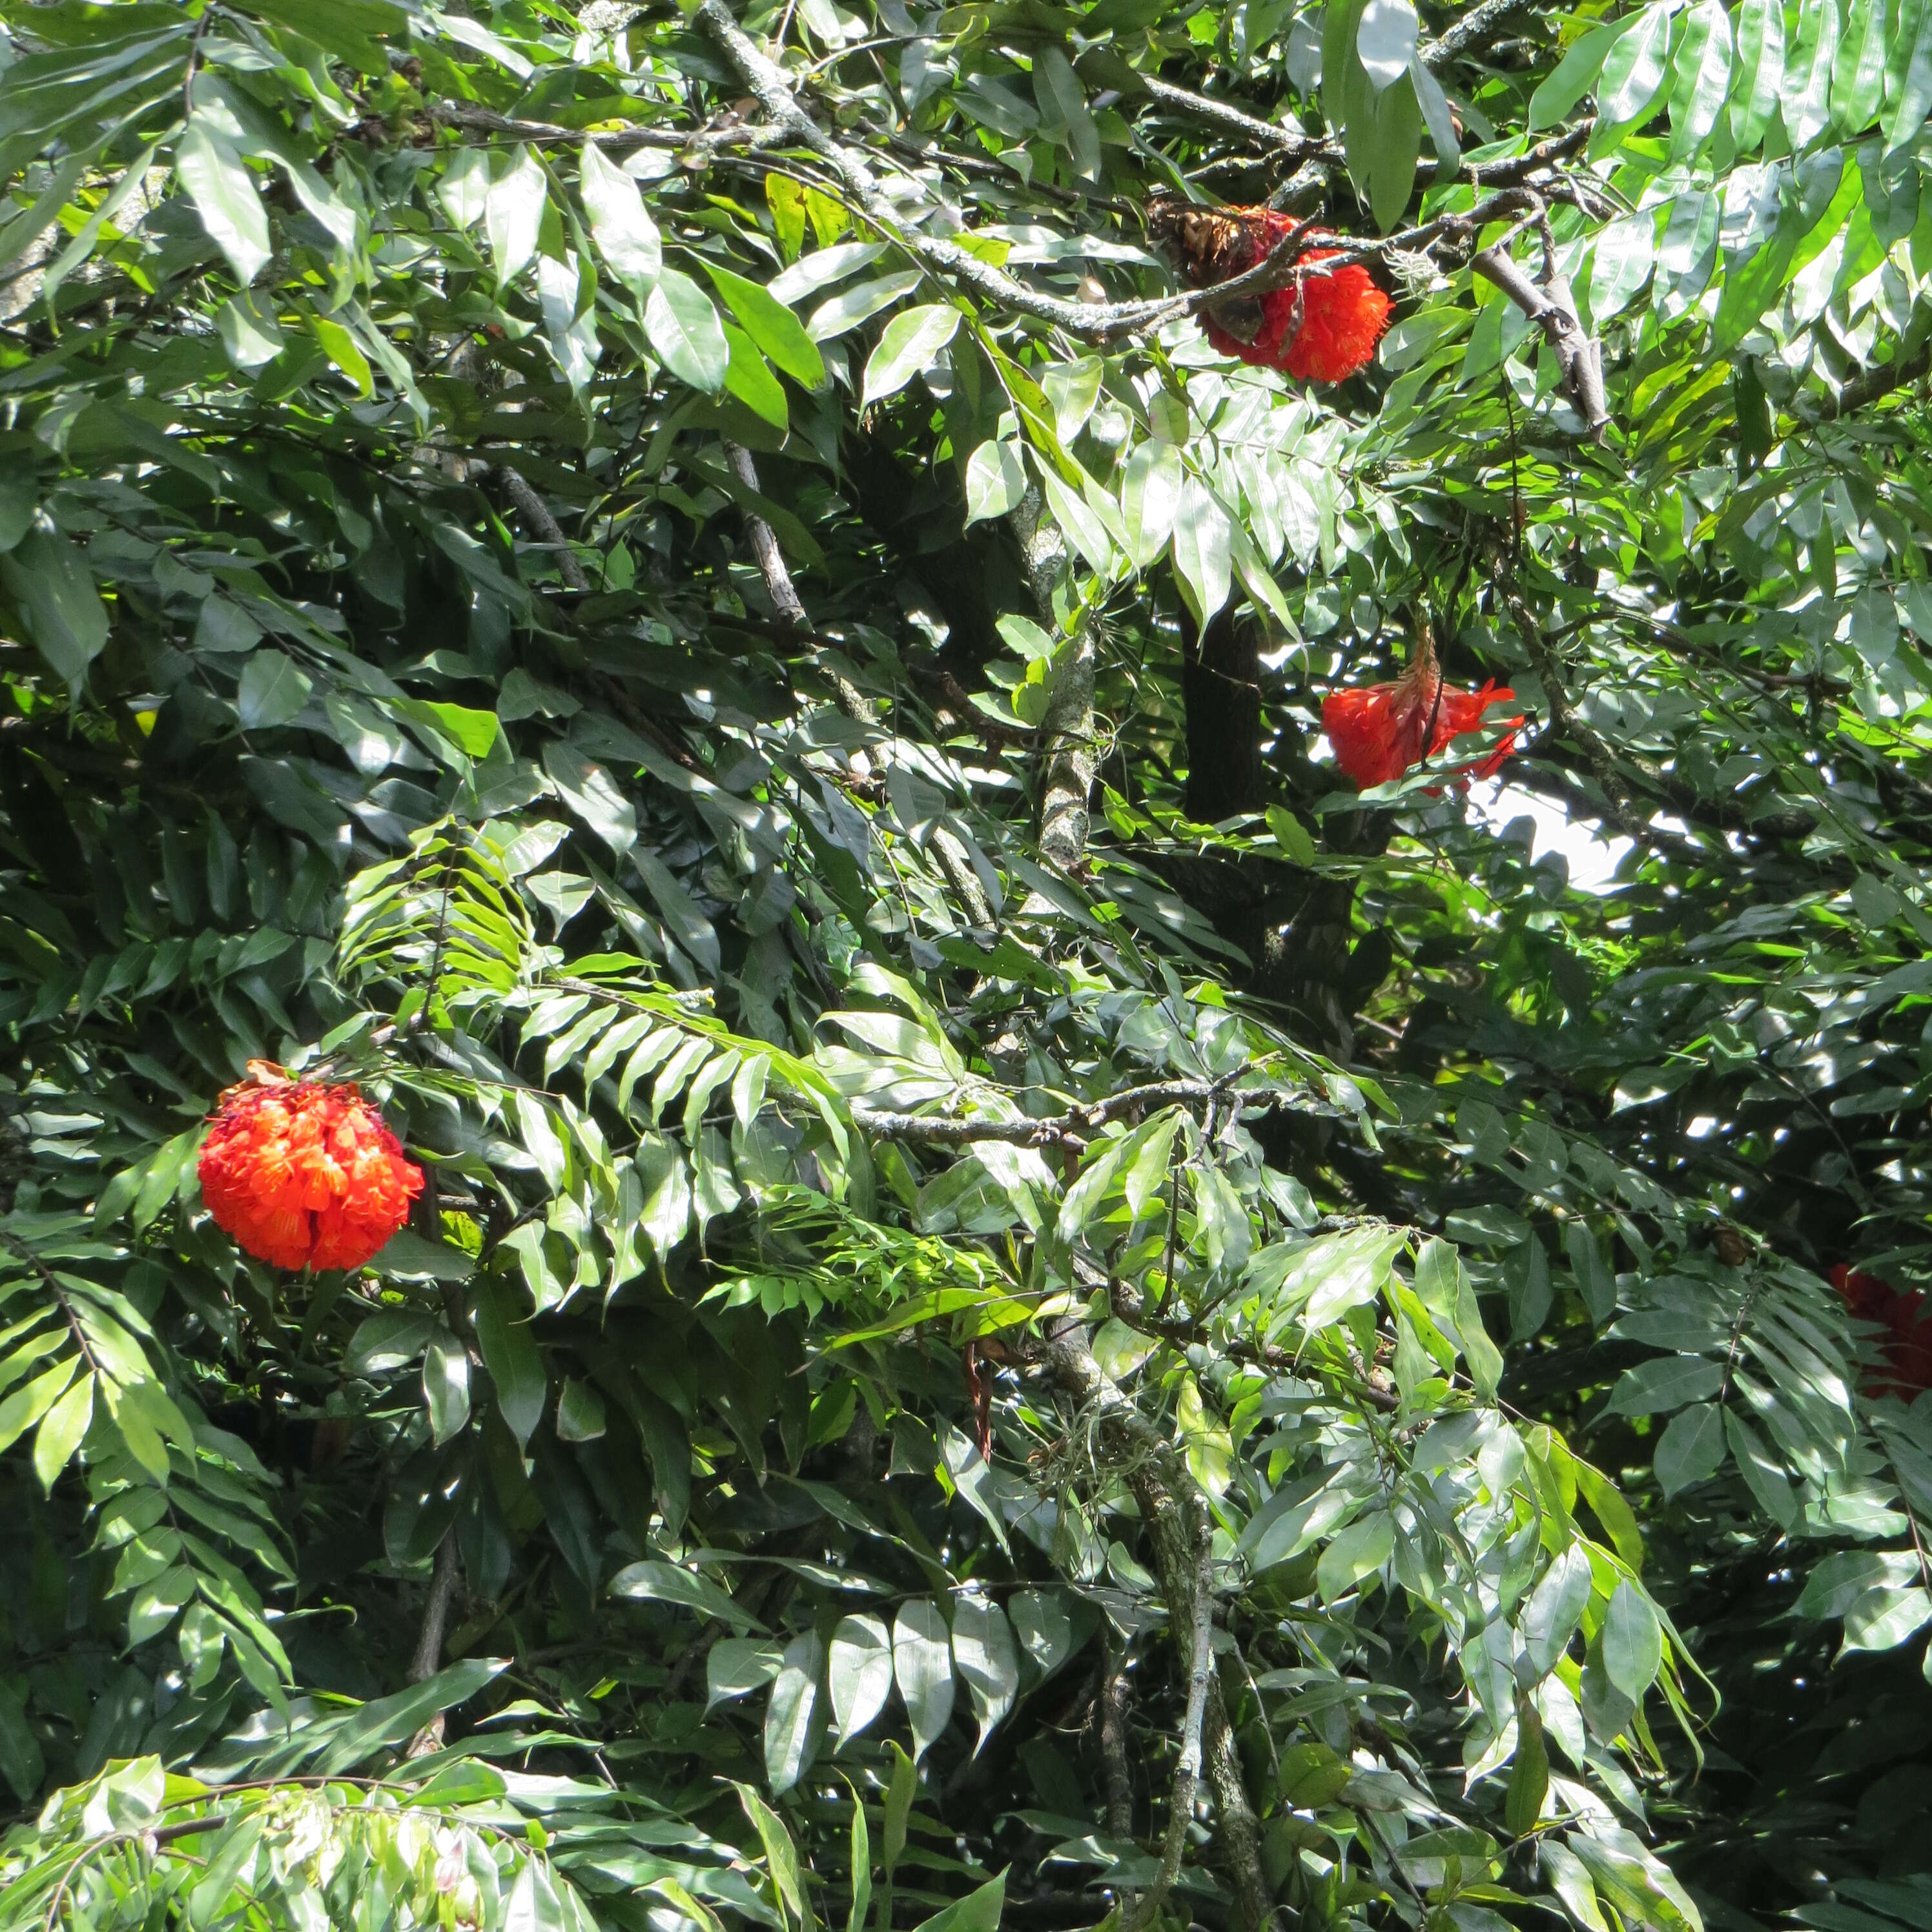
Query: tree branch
[(937, 1131), (1180, 1528), (1068, 756), (1550, 303), (536, 513), (1868, 385), (1296, 143), (428, 1658), (1473, 27), (783, 592), (726, 133), (1236, 1826), (1111, 1709), (1090, 321), (1187, 1766)]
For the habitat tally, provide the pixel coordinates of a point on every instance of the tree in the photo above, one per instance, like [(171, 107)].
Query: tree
[(1024, 1305)]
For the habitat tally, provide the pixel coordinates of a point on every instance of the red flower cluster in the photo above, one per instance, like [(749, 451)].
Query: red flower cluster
[(1321, 328), (305, 1175), (1379, 730), (1907, 1346)]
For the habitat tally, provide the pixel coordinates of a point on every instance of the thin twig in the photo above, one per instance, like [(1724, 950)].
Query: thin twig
[(51, 1282), (938, 1131)]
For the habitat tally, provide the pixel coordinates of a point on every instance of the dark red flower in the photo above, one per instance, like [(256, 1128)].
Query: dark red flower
[(304, 1174), (1323, 328), (1907, 1344), (1379, 731)]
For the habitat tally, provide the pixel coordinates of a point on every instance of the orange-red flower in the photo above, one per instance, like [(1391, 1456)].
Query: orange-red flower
[(1907, 1346), (1321, 327), (305, 1175), (1379, 730)]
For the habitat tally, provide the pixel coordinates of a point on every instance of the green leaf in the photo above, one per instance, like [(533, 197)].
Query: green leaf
[(861, 1862), (626, 236), (922, 1668), (1759, 76), (1594, 1281), (1359, 1551), (781, 1856), (249, 331), (1555, 1608), (987, 1659), (1062, 98), (1397, 139), (1633, 1641), (791, 1735), (1201, 548), (22, 1762), (1805, 90), (48, 584), (1882, 1619), (475, 733), (1150, 487), (29, 1403), (156, 1604), (1908, 80), (860, 1673), (342, 349), (735, 1667), (1574, 75), (684, 331), (1386, 41), (1838, 1581), (1691, 1449), (61, 1430), (901, 1789), (1666, 1384), (223, 190), (446, 1381), (979, 1911), (580, 1413), (995, 481), (1859, 67), (387, 1340), (350, 30), (1703, 79), (669, 1583), (1529, 1779), (510, 1354), (785, 198), (908, 344), (273, 689), (1436, 116), (860, 304), (749, 378), (513, 212), (1631, 88), (772, 326), (386, 1722)]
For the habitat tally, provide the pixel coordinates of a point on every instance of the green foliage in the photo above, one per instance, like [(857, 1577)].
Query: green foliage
[(533, 581)]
